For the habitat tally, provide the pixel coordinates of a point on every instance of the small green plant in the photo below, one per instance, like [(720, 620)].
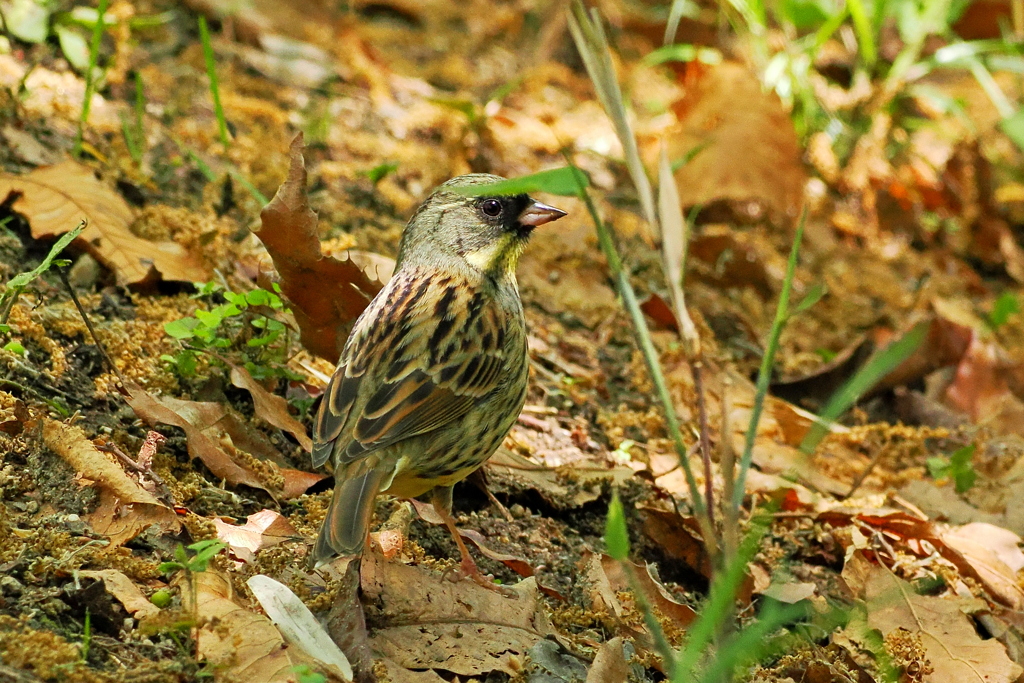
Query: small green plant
[(303, 674), (198, 561), (958, 467), (86, 635), (1006, 305), (381, 171), (191, 561), (211, 71), (19, 283), (245, 325)]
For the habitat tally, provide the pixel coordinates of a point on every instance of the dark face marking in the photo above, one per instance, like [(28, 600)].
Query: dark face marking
[(503, 213)]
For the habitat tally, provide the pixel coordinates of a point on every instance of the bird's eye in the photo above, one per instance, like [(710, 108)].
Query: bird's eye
[(491, 207)]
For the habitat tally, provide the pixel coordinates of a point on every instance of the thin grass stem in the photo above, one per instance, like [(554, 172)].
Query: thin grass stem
[(764, 373), (211, 72), (90, 79)]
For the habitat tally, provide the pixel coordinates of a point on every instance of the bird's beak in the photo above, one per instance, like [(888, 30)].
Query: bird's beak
[(539, 214)]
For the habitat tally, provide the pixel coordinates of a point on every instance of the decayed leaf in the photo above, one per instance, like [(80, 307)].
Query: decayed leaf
[(326, 294), (238, 643), (125, 508), (125, 590), (607, 584), (521, 472), (610, 664), (56, 198), (678, 537), (263, 529), (748, 147), (989, 554), (220, 439), (428, 622), (271, 408), (297, 624), (952, 646)]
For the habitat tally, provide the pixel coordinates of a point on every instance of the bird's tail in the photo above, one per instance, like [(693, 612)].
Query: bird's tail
[(348, 517)]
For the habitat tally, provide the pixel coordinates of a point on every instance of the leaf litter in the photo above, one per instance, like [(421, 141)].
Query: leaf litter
[(589, 425)]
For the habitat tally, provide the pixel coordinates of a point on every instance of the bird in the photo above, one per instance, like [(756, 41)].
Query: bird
[(434, 372)]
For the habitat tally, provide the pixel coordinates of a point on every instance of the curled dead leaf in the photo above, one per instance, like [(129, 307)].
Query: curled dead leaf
[(125, 590), (326, 294)]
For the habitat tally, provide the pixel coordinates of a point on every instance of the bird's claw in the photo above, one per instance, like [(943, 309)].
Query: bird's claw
[(469, 570)]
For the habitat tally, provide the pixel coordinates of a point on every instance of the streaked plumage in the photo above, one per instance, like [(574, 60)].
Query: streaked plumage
[(435, 370)]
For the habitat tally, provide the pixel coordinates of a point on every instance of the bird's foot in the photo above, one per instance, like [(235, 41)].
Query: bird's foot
[(467, 569)]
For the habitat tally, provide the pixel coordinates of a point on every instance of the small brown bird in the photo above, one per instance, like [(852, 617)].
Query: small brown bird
[(434, 373)]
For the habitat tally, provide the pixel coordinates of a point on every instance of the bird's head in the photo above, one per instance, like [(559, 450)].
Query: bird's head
[(489, 232)]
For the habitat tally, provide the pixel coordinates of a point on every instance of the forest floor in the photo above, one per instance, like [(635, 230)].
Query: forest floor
[(898, 535)]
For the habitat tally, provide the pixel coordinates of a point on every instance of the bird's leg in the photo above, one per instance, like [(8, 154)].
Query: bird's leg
[(442, 500)]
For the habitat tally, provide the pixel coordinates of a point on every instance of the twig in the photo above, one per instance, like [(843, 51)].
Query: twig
[(143, 466), (92, 331)]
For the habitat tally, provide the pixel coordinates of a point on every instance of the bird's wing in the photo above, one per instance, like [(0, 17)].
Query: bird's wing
[(420, 357)]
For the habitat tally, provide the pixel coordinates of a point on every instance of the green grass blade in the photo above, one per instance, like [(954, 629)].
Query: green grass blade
[(90, 84), (606, 240), (864, 31), (877, 367), (564, 182), (764, 373), (211, 71), (720, 601)]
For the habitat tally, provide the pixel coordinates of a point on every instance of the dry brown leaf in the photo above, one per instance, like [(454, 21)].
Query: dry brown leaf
[(125, 590), (13, 414), (326, 294), (428, 622), (240, 644), (263, 529), (989, 554), (271, 408), (519, 472), (221, 440), (55, 199), (610, 664), (676, 536), (952, 645), (748, 147), (981, 388), (125, 508), (608, 586)]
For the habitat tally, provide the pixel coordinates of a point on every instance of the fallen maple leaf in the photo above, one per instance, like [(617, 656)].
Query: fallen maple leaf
[(748, 148), (125, 508), (326, 294), (56, 198)]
